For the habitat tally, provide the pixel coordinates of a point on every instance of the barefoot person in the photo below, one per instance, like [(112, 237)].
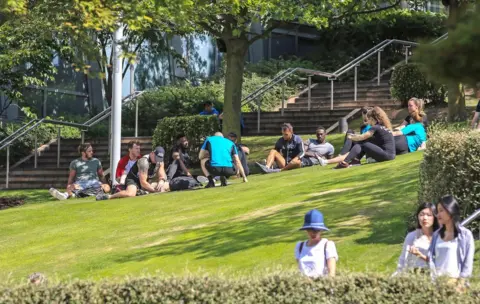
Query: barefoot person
[(287, 154), (149, 167), (417, 242), (317, 256), (86, 176)]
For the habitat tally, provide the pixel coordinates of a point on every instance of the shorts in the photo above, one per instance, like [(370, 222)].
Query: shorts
[(220, 171), (86, 184), (309, 161), (132, 182)]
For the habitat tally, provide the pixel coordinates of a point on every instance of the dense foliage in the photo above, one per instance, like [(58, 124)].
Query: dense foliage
[(196, 128), (284, 288), (451, 166), (409, 81)]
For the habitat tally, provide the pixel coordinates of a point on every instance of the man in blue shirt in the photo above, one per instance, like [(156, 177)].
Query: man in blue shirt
[(218, 157), (208, 109), (287, 154)]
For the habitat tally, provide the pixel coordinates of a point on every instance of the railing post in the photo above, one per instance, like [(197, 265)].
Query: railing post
[(379, 66), (83, 136), (132, 91), (58, 146), (8, 167), (258, 115), (355, 84), (406, 53), (283, 98), (331, 93), (36, 152), (309, 91), (45, 95)]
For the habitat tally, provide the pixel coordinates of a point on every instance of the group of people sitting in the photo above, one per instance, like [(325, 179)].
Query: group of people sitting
[(439, 245), (377, 140), (156, 171)]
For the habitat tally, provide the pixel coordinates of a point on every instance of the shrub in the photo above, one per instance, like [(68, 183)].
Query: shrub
[(409, 81), (283, 288), (451, 165), (196, 128)]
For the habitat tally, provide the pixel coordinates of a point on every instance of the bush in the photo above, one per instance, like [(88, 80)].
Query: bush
[(196, 128), (283, 288), (409, 81), (451, 165)]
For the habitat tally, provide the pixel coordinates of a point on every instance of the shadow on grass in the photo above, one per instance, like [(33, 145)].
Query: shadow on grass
[(32, 196)]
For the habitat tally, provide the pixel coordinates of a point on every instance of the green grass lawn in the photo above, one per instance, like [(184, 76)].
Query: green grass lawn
[(241, 229)]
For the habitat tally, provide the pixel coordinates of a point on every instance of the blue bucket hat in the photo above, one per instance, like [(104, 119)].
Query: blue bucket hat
[(314, 220)]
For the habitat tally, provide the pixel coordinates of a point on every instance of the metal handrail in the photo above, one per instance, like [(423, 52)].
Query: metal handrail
[(471, 218), (17, 131), (24, 131)]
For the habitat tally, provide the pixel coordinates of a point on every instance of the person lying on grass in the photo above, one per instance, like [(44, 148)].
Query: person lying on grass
[(287, 154), (86, 176), (317, 256), (377, 143)]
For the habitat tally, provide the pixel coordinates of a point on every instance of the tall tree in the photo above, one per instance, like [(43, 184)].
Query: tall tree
[(230, 21)]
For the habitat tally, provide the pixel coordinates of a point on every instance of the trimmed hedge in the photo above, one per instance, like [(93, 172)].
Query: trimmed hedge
[(409, 81), (451, 165), (196, 128), (284, 288)]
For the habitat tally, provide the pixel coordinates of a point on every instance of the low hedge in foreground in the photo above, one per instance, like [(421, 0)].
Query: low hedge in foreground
[(284, 288)]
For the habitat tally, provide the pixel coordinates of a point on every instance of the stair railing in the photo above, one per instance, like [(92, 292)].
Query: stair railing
[(283, 75), (34, 123)]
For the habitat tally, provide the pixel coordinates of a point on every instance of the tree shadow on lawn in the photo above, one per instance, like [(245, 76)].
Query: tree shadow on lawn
[(32, 196), (376, 205)]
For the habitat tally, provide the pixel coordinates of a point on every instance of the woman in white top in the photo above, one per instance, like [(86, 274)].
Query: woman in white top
[(452, 248), (417, 242), (316, 256)]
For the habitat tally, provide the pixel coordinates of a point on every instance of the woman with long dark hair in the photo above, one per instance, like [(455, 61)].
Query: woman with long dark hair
[(452, 248), (417, 242)]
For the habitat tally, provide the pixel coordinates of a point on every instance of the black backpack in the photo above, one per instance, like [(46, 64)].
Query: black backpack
[(184, 183)]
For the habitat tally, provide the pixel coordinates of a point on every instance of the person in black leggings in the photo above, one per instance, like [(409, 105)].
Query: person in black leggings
[(377, 142)]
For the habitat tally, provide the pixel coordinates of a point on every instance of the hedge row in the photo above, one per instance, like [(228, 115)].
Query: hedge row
[(272, 289), (451, 165)]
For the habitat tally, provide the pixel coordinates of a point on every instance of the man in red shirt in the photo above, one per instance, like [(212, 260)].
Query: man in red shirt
[(127, 162)]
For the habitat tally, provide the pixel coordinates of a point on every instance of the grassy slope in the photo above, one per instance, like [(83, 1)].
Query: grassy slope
[(243, 228)]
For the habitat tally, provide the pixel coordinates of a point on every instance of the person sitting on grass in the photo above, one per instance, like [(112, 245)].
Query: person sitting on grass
[(218, 157), (348, 143), (146, 168), (287, 154), (317, 148), (417, 242), (410, 138), (377, 143), (179, 159), (415, 113), (126, 163), (243, 152), (85, 178), (316, 257)]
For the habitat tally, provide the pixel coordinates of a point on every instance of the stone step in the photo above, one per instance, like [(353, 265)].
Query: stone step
[(338, 91), (348, 85), (389, 103)]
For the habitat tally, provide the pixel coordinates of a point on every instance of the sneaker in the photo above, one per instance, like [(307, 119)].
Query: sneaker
[(57, 194), (223, 181), (102, 197), (263, 167), (323, 162), (342, 165), (202, 179), (210, 185), (274, 170), (355, 162), (371, 160)]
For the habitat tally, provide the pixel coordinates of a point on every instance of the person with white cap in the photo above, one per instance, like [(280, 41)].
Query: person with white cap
[(150, 166), (317, 256)]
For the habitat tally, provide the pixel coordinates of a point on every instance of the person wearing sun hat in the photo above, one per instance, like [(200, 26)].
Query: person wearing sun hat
[(317, 256)]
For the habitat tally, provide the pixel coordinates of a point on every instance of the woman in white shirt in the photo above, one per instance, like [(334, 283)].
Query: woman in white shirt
[(316, 256), (452, 248), (417, 242)]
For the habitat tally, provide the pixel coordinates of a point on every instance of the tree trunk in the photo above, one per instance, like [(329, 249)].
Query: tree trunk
[(236, 50), (456, 95)]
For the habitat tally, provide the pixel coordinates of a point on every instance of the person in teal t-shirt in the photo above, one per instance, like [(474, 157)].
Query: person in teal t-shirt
[(410, 138)]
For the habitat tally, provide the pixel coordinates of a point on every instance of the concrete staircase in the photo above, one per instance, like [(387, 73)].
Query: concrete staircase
[(305, 121), (46, 175)]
